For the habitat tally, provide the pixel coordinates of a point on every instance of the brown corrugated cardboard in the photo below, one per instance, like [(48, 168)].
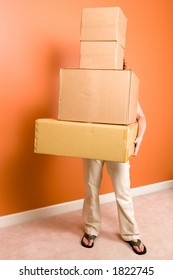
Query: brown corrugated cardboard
[(100, 96), (103, 24), (101, 55), (85, 140)]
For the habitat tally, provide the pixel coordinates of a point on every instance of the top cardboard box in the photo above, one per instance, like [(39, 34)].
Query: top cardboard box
[(103, 24)]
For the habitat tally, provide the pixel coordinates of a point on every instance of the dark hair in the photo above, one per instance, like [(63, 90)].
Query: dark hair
[(124, 64)]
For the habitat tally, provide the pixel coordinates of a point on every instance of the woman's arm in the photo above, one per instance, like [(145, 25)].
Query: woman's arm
[(141, 129)]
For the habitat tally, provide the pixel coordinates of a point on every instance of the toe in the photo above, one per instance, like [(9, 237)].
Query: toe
[(85, 241), (91, 242)]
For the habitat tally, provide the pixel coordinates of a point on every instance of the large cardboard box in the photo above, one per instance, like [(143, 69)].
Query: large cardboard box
[(101, 55), (85, 140), (103, 24), (100, 96)]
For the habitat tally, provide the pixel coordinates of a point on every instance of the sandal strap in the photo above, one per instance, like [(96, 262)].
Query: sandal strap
[(89, 237), (135, 243)]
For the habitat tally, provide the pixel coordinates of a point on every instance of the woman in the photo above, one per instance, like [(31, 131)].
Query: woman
[(119, 174)]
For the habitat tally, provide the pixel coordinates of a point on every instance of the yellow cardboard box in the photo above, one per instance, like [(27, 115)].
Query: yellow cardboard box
[(101, 55), (100, 96), (103, 24), (85, 140)]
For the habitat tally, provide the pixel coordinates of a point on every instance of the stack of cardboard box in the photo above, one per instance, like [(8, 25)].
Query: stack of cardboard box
[(98, 101)]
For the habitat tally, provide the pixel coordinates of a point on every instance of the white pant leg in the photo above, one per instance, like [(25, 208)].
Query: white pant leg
[(91, 207), (119, 174)]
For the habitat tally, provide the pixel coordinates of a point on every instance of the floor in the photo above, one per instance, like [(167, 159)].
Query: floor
[(58, 238)]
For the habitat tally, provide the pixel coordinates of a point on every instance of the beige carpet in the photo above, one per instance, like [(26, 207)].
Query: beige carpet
[(58, 238)]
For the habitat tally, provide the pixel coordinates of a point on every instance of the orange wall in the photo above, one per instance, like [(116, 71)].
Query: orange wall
[(36, 39)]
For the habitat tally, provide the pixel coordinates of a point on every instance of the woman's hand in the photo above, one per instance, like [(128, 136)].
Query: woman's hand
[(137, 144)]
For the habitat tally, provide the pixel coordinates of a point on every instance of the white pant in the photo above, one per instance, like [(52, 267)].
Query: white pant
[(119, 174)]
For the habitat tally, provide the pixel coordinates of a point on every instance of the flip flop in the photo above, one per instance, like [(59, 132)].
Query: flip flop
[(89, 237), (138, 244)]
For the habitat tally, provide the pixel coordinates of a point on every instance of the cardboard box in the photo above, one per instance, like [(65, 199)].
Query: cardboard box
[(85, 140), (103, 24), (99, 96), (101, 55)]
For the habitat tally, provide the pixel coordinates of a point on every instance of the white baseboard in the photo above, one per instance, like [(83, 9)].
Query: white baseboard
[(53, 210)]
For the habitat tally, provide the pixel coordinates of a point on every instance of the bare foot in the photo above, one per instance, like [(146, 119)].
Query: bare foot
[(140, 248), (88, 240), (137, 246)]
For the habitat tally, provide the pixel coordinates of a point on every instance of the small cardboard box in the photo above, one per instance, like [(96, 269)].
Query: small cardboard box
[(99, 96), (103, 24), (85, 140), (101, 55)]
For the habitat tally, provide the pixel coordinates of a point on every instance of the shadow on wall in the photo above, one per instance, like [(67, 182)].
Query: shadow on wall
[(25, 176), (25, 171)]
